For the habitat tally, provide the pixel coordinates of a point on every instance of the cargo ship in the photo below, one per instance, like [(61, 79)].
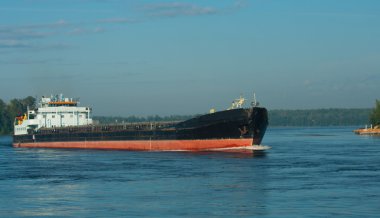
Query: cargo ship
[(59, 122)]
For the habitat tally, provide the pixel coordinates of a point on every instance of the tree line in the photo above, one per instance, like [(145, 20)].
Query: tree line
[(319, 117), (375, 114), (314, 117)]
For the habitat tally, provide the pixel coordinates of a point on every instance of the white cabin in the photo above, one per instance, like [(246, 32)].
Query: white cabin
[(53, 112)]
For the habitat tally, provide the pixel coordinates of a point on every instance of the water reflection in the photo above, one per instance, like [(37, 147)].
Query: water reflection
[(45, 199), (62, 182), (315, 175)]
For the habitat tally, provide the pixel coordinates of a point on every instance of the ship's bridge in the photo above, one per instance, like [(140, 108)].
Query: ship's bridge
[(58, 101), (54, 111)]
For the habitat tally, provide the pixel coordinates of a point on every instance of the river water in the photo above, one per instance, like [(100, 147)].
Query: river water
[(309, 172)]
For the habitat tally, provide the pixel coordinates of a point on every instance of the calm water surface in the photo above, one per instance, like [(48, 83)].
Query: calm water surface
[(314, 172)]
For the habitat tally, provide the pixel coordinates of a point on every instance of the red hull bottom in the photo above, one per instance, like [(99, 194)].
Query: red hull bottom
[(148, 145)]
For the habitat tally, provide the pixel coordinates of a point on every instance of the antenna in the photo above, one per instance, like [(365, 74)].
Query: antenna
[(254, 102)]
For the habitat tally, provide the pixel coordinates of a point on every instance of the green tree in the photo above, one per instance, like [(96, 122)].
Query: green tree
[(375, 115), (28, 101), (3, 118), (18, 107), (8, 112)]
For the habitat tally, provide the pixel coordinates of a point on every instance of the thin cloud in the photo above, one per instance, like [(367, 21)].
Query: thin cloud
[(52, 46), (117, 20), (237, 5), (175, 9), (81, 31), (31, 31), (28, 37), (336, 14), (39, 10), (77, 31), (28, 61), (98, 30), (13, 33), (61, 23), (11, 43), (240, 4)]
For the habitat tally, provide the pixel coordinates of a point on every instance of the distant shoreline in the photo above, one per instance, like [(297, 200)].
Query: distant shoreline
[(277, 118)]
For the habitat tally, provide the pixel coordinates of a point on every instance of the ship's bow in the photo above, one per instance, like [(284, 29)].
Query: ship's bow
[(258, 122)]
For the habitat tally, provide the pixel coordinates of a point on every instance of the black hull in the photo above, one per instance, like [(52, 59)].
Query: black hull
[(229, 124)]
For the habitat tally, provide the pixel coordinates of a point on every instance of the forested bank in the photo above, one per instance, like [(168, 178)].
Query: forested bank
[(319, 117), (314, 117), (375, 114)]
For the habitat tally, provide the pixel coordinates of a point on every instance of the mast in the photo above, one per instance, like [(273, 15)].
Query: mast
[(254, 102)]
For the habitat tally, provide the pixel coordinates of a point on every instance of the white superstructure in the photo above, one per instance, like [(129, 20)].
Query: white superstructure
[(237, 103), (54, 111)]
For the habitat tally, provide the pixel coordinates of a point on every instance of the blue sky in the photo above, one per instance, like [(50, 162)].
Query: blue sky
[(184, 57)]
